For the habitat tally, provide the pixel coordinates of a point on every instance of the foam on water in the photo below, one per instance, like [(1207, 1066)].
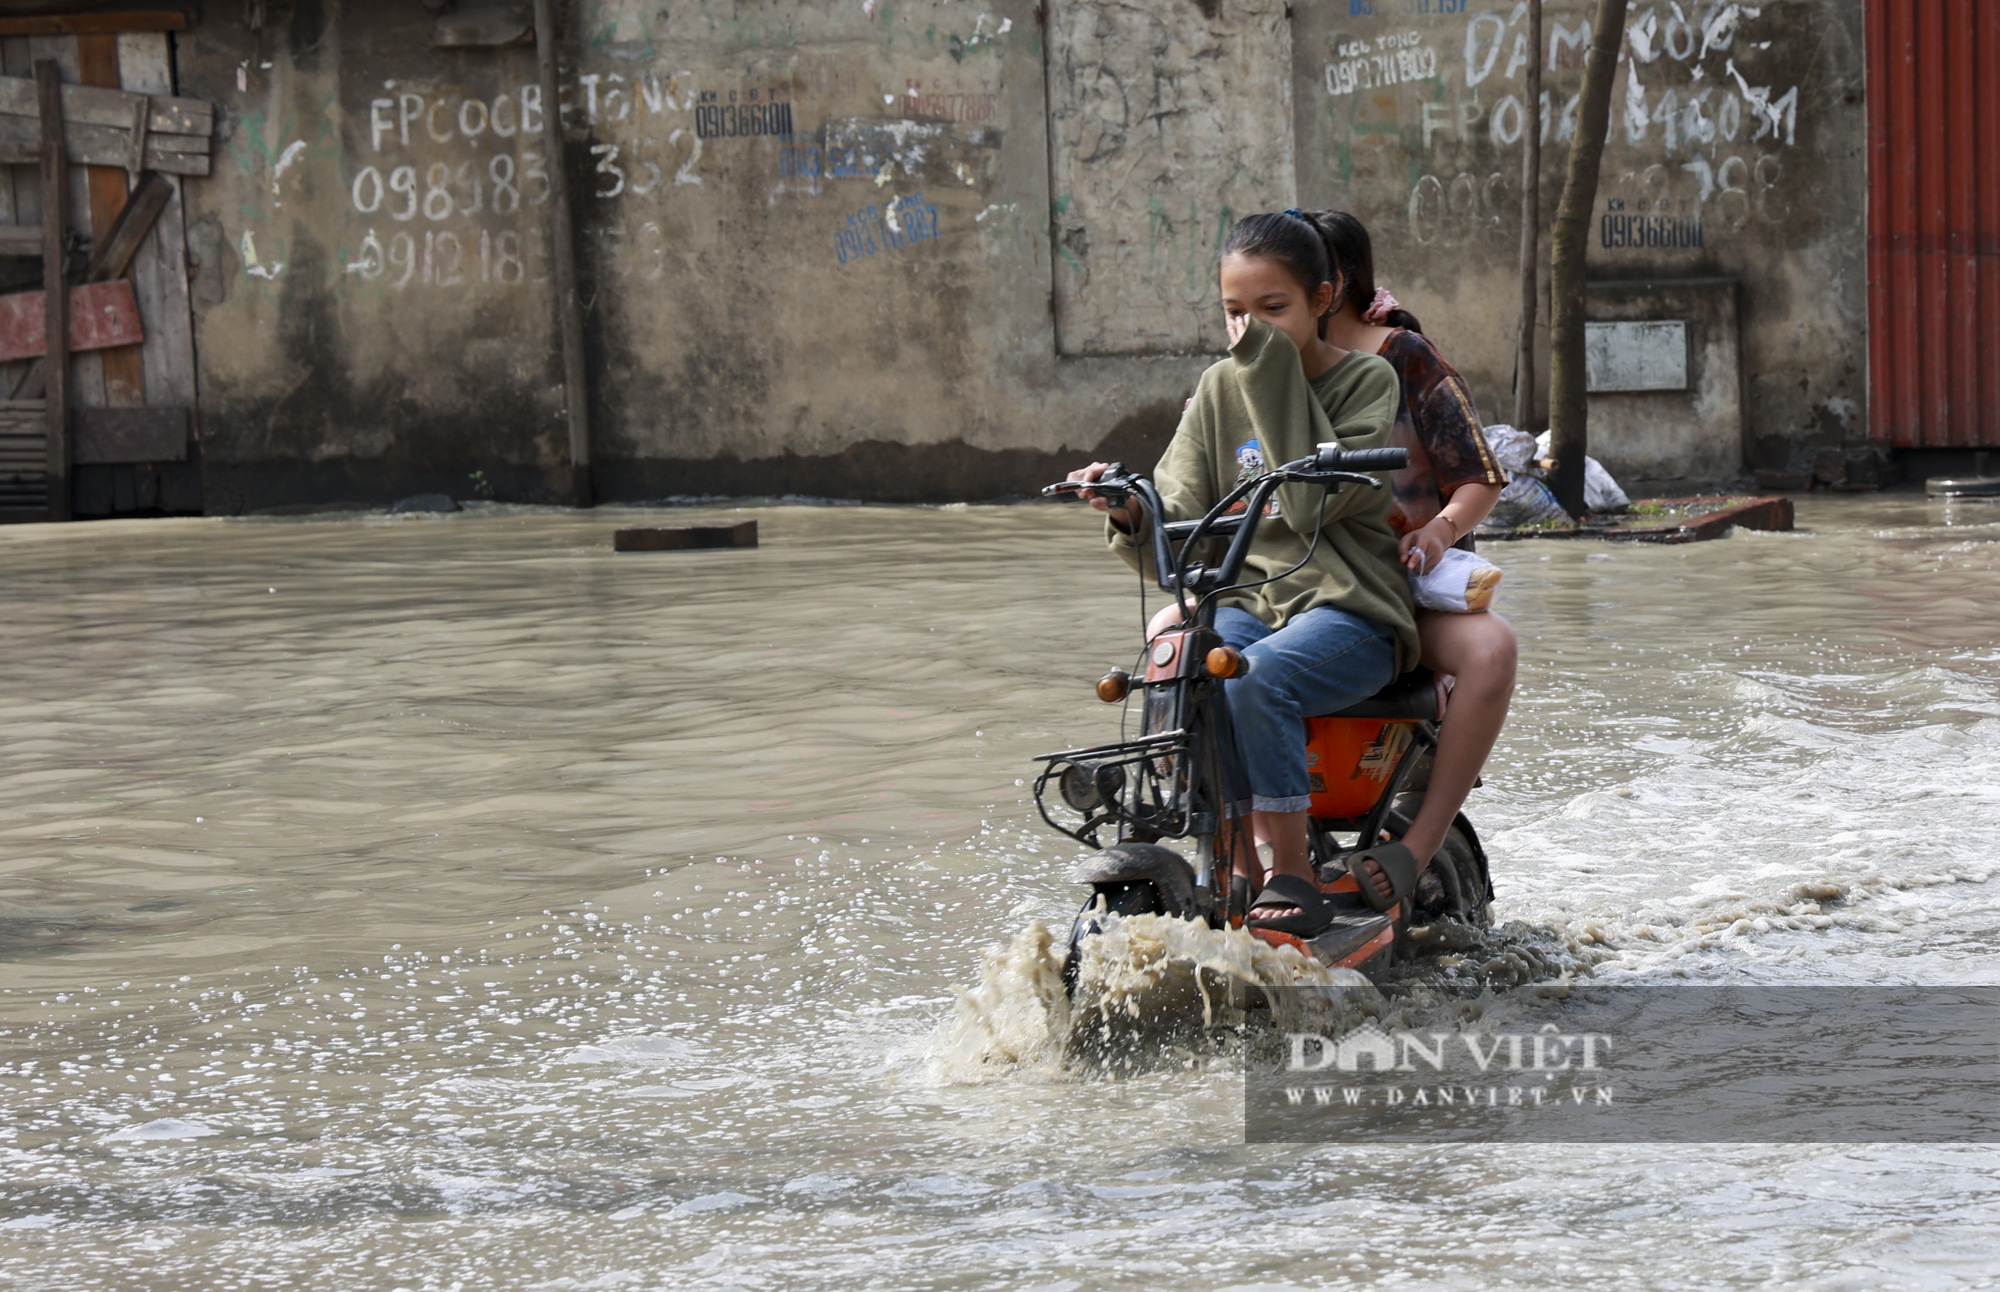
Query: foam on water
[(161, 1128)]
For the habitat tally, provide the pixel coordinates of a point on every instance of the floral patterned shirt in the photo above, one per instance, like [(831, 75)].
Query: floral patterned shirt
[(1438, 424)]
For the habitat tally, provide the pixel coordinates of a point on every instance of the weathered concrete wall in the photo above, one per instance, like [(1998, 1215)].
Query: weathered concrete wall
[(1168, 122), (372, 313), (1737, 148), (829, 248), (863, 307)]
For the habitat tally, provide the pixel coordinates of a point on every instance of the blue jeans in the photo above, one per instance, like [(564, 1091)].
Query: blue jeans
[(1319, 662)]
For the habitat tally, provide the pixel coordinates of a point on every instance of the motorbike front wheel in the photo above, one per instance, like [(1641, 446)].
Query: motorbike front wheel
[(1134, 897)]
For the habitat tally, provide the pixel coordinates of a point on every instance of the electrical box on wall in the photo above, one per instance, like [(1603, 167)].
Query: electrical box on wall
[(1663, 364), (1645, 354)]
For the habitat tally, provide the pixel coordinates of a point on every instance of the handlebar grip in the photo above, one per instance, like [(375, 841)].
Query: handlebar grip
[(1334, 458), (1113, 481)]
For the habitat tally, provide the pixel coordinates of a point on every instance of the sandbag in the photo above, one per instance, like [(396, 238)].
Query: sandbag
[(1525, 501)]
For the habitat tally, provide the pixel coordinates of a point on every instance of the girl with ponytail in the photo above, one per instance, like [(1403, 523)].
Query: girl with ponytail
[(1450, 485)]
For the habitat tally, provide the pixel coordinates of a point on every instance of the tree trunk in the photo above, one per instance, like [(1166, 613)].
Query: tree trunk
[(1569, 431), (1531, 226), (562, 256)]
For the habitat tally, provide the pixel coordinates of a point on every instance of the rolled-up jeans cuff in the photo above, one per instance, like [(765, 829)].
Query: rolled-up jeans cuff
[(1265, 803)]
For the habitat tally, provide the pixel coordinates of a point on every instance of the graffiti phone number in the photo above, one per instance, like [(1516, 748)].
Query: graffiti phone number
[(445, 192), (442, 259), (873, 230)]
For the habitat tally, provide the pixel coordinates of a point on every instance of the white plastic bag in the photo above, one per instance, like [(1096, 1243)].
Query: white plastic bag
[(1514, 450), (1600, 492), (1461, 581)]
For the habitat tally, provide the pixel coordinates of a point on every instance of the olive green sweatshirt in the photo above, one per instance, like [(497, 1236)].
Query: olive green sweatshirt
[(1256, 410)]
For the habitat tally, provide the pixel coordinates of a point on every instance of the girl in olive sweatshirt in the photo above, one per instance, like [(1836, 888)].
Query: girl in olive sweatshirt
[(1341, 627)]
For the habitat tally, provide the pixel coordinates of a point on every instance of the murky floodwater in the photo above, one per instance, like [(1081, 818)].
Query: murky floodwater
[(450, 902)]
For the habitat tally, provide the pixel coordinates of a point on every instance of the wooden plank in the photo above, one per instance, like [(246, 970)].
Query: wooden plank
[(55, 299), (20, 239), (91, 103), (82, 23), (684, 538), (15, 60), (159, 271), (97, 63), (86, 370), (108, 146), (114, 250), (106, 436), (20, 204), (100, 315), (1702, 518), (19, 155)]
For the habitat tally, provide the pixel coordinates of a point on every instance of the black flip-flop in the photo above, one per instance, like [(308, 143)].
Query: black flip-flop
[(1397, 862), (1310, 914)]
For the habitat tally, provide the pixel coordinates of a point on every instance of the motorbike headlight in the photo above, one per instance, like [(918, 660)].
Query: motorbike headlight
[(1078, 784)]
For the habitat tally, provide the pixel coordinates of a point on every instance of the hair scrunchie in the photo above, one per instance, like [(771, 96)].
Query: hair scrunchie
[(1380, 308)]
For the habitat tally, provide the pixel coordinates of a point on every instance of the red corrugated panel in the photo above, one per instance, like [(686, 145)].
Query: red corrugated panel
[(1875, 18), (1986, 244), (1934, 222), (1960, 264)]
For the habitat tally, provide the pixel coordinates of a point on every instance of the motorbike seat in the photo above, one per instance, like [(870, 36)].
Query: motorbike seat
[(1416, 696)]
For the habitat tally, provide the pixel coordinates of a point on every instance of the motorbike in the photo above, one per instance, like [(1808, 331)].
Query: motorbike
[(1368, 764)]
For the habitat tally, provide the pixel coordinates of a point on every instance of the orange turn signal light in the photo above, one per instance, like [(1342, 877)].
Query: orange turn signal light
[(1224, 661), (1112, 687)]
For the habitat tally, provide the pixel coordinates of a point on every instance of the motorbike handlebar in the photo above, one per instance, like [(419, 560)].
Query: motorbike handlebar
[(1332, 457), (1332, 467), (1114, 481)]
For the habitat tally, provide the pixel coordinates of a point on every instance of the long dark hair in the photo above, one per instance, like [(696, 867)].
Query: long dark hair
[(1286, 237), (1349, 253)]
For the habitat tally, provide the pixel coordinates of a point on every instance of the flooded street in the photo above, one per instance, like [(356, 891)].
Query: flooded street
[(448, 902)]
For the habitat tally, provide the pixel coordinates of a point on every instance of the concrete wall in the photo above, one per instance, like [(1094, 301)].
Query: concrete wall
[(874, 305), (1737, 149), (864, 308)]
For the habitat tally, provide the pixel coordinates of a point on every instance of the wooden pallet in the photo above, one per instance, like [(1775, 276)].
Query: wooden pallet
[(24, 460)]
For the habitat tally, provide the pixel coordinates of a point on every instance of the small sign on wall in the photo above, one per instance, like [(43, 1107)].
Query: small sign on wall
[(1646, 355)]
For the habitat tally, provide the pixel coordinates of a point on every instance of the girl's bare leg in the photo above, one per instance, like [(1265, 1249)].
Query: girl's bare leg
[(1478, 650), (1291, 851)]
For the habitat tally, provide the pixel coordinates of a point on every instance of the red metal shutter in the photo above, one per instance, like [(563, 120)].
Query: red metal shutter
[(1934, 222)]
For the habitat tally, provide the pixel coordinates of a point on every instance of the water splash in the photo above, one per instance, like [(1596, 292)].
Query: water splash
[(1150, 989)]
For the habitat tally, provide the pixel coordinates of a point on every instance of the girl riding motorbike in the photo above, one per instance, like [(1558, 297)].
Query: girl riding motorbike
[(1331, 621)]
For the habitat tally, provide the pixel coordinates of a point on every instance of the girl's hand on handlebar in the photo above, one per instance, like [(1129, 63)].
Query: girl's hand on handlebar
[(1422, 548), (1125, 515)]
